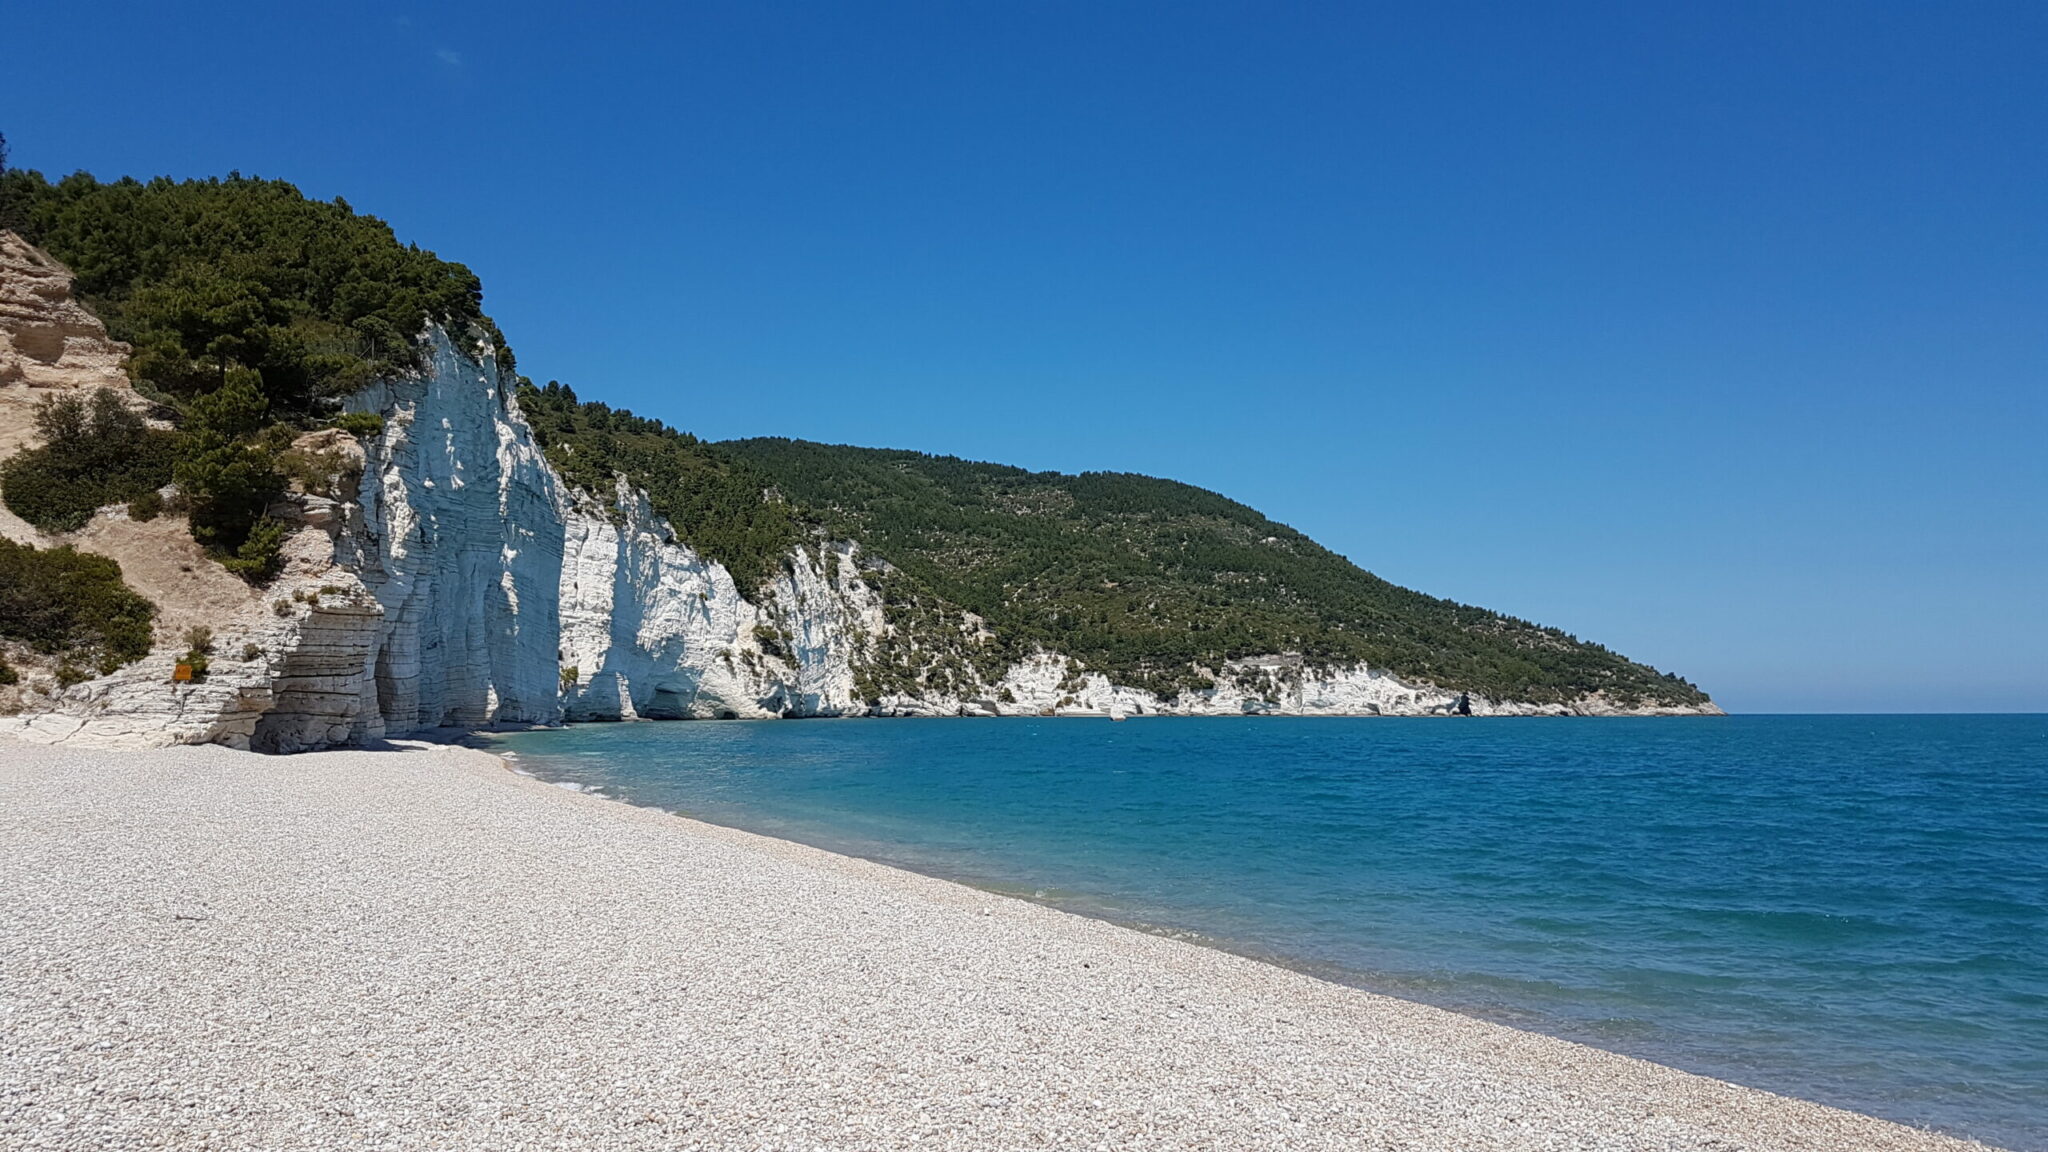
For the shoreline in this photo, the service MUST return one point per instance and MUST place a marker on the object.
(69, 722)
(337, 907)
(1867, 1094)
(477, 739)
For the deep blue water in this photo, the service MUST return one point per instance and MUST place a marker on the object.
(1852, 909)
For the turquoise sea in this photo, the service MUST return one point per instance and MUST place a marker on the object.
(1853, 909)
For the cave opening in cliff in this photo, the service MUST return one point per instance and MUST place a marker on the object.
(386, 688)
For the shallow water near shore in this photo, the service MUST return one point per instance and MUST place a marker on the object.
(1851, 909)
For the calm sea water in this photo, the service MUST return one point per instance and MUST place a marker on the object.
(1849, 909)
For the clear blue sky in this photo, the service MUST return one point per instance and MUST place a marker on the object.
(1715, 332)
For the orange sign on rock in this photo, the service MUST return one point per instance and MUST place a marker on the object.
(182, 672)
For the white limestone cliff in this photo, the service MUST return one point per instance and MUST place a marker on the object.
(1051, 685)
(652, 630)
(454, 586)
(456, 535)
(427, 599)
(451, 579)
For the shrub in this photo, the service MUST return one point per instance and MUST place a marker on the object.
(228, 476)
(7, 673)
(251, 652)
(146, 507)
(71, 604)
(198, 646)
(360, 423)
(261, 555)
(331, 474)
(95, 451)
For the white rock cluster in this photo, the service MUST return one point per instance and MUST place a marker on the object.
(456, 535)
(1050, 685)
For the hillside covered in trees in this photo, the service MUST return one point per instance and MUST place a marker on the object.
(254, 311)
(1149, 579)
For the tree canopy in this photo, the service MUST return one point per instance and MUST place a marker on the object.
(253, 312)
(1151, 580)
(203, 276)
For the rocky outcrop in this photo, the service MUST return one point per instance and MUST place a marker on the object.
(649, 628)
(47, 338)
(1051, 685)
(264, 687)
(456, 583)
(652, 630)
(50, 343)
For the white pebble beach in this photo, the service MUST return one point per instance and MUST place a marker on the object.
(419, 948)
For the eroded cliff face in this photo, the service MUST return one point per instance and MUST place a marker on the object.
(457, 583)
(454, 581)
(652, 630)
(48, 340)
(456, 534)
(425, 596)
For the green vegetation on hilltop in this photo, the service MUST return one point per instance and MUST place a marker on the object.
(74, 606)
(716, 504)
(203, 276)
(252, 310)
(1146, 579)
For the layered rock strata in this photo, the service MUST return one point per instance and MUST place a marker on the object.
(47, 338)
